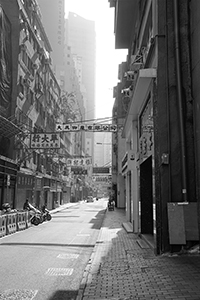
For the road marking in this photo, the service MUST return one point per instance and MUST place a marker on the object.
(68, 255)
(18, 294)
(83, 234)
(59, 272)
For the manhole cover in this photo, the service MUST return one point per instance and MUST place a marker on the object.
(18, 295)
(59, 272)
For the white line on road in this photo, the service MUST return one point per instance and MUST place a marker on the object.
(67, 256)
(59, 272)
(83, 234)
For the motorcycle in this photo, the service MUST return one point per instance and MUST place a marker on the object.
(46, 214)
(35, 216)
(111, 205)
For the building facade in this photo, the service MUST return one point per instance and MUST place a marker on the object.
(32, 164)
(159, 165)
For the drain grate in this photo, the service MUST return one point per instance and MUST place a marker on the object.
(18, 294)
(68, 256)
(59, 272)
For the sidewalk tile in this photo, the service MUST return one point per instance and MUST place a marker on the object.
(123, 270)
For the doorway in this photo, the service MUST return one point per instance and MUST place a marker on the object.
(146, 197)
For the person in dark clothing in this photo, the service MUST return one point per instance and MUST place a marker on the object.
(26, 205)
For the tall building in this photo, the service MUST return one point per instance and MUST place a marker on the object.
(81, 38)
(53, 20)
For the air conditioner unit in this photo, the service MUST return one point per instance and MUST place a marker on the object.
(127, 92)
(130, 75)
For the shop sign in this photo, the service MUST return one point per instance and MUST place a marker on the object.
(24, 181)
(45, 141)
(146, 139)
(78, 162)
(102, 178)
(86, 127)
(101, 170)
(78, 171)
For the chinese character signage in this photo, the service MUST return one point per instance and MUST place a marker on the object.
(45, 141)
(79, 162)
(101, 170)
(101, 178)
(86, 127)
(78, 171)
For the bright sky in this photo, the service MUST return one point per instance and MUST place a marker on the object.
(107, 58)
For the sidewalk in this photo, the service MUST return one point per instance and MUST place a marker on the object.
(124, 267)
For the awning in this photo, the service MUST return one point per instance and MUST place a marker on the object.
(7, 128)
(141, 89)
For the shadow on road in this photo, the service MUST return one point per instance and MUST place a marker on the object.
(64, 295)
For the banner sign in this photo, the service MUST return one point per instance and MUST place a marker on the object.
(101, 170)
(45, 141)
(79, 162)
(78, 171)
(86, 127)
(102, 178)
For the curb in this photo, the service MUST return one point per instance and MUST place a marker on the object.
(86, 271)
(62, 207)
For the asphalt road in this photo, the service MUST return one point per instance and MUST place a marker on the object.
(47, 261)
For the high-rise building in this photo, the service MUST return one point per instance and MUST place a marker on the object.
(81, 38)
(53, 20)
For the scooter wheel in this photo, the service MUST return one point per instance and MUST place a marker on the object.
(35, 221)
(49, 217)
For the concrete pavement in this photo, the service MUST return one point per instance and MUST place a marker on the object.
(124, 267)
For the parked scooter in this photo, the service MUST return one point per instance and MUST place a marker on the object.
(111, 204)
(46, 214)
(35, 215)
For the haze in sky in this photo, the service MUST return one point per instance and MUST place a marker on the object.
(107, 58)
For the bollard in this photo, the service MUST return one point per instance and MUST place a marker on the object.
(11, 224)
(3, 225)
(21, 220)
(28, 219)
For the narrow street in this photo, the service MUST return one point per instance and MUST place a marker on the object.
(46, 262)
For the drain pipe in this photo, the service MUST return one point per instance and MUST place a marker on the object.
(180, 105)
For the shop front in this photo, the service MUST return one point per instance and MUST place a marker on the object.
(25, 184)
(140, 178)
(8, 178)
(38, 195)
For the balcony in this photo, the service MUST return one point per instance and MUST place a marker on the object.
(126, 12)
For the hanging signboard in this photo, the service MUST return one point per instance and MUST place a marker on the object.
(86, 127)
(79, 162)
(78, 171)
(45, 141)
(102, 178)
(101, 170)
